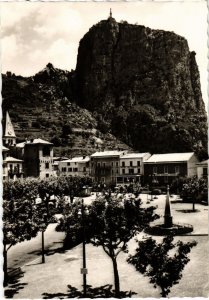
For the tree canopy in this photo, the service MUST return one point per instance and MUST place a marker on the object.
(162, 262)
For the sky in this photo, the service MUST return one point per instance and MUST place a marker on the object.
(35, 33)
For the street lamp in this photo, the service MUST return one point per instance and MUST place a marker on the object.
(38, 201)
(82, 213)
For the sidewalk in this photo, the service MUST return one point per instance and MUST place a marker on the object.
(62, 269)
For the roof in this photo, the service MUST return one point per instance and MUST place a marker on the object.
(33, 142)
(12, 159)
(40, 141)
(170, 157)
(108, 153)
(20, 145)
(5, 148)
(134, 155)
(204, 162)
(79, 159)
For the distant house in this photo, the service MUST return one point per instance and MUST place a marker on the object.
(132, 167)
(164, 168)
(202, 169)
(12, 168)
(105, 166)
(77, 166)
(38, 159)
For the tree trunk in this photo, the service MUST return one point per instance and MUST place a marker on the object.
(5, 266)
(116, 278)
(164, 294)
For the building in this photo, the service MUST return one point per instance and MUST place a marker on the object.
(77, 166)
(105, 166)
(12, 168)
(162, 169)
(132, 167)
(9, 137)
(202, 169)
(38, 159)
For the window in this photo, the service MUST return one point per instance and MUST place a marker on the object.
(123, 163)
(104, 165)
(131, 164)
(63, 169)
(131, 171)
(84, 169)
(47, 175)
(154, 169)
(138, 163)
(68, 163)
(166, 179)
(139, 170)
(112, 164)
(103, 179)
(119, 179)
(205, 172)
(123, 171)
(116, 164)
(166, 169)
(75, 169)
(98, 164)
(117, 171)
(46, 165)
(69, 169)
(176, 169)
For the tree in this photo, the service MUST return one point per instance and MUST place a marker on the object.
(20, 222)
(113, 223)
(162, 262)
(192, 188)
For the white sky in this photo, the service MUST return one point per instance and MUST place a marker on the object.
(35, 33)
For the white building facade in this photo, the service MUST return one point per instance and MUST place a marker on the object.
(77, 166)
(132, 167)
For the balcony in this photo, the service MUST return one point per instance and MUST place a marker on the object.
(15, 171)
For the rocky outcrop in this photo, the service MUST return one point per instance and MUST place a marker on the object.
(135, 86)
(145, 84)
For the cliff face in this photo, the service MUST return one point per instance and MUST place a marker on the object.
(42, 106)
(145, 85)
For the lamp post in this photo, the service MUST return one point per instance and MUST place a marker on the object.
(38, 201)
(82, 213)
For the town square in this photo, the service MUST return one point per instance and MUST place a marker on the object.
(104, 150)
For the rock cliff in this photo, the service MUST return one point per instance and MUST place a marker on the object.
(144, 84)
(132, 86)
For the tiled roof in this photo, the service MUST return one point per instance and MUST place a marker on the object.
(12, 159)
(40, 141)
(170, 157)
(79, 159)
(34, 141)
(108, 153)
(134, 155)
